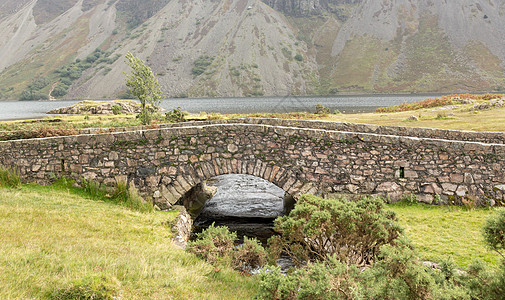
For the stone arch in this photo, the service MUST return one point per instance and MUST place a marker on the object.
(193, 174)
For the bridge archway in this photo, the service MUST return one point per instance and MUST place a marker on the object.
(171, 191)
(245, 204)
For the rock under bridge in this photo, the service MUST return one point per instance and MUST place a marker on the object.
(299, 156)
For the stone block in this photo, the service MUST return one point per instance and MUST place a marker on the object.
(113, 155)
(352, 188)
(388, 187)
(425, 198)
(456, 178)
(468, 178)
(232, 148)
(462, 191)
(449, 188)
(411, 174)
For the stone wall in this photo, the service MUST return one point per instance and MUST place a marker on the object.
(298, 156)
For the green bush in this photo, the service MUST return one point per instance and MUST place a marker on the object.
(60, 89)
(213, 244)
(201, 64)
(396, 275)
(322, 110)
(116, 109)
(216, 244)
(298, 57)
(175, 116)
(494, 231)
(249, 254)
(317, 229)
(485, 284)
(9, 177)
(274, 285)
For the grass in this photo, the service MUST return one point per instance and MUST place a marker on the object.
(54, 239)
(9, 177)
(57, 241)
(446, 232)
(461, 119)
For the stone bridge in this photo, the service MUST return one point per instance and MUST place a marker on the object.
(299, 156)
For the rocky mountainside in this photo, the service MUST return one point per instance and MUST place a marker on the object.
(75, 48)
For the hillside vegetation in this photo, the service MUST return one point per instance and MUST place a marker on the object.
(74, 49)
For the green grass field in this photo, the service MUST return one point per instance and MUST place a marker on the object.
(447, 232)
(54, 236)
(51, 237)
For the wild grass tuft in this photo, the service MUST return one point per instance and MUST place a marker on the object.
(122, 195)
(9, 177)
(91, 287)
(130, 197)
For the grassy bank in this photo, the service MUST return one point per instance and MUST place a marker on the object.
(447, 232)
(53, 239)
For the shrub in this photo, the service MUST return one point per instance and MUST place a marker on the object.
(274, 285)
(396, 275)
(248, 255)
(61, 89)
(298, 57)
(213, 244)
(322, 110)
(328, 280)
(175, 116)
(201, 64)
(484, 284)
(9, 177)
(494, 231)
(317, 229)
(116, 109)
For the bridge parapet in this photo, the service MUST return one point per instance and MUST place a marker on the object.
(164, 163)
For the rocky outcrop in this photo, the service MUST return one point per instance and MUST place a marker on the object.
(182, 227)
(493, 103)
(99, 108)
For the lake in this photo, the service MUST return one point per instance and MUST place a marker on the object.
(346, 104)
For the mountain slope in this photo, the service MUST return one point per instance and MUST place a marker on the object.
(249, 47)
